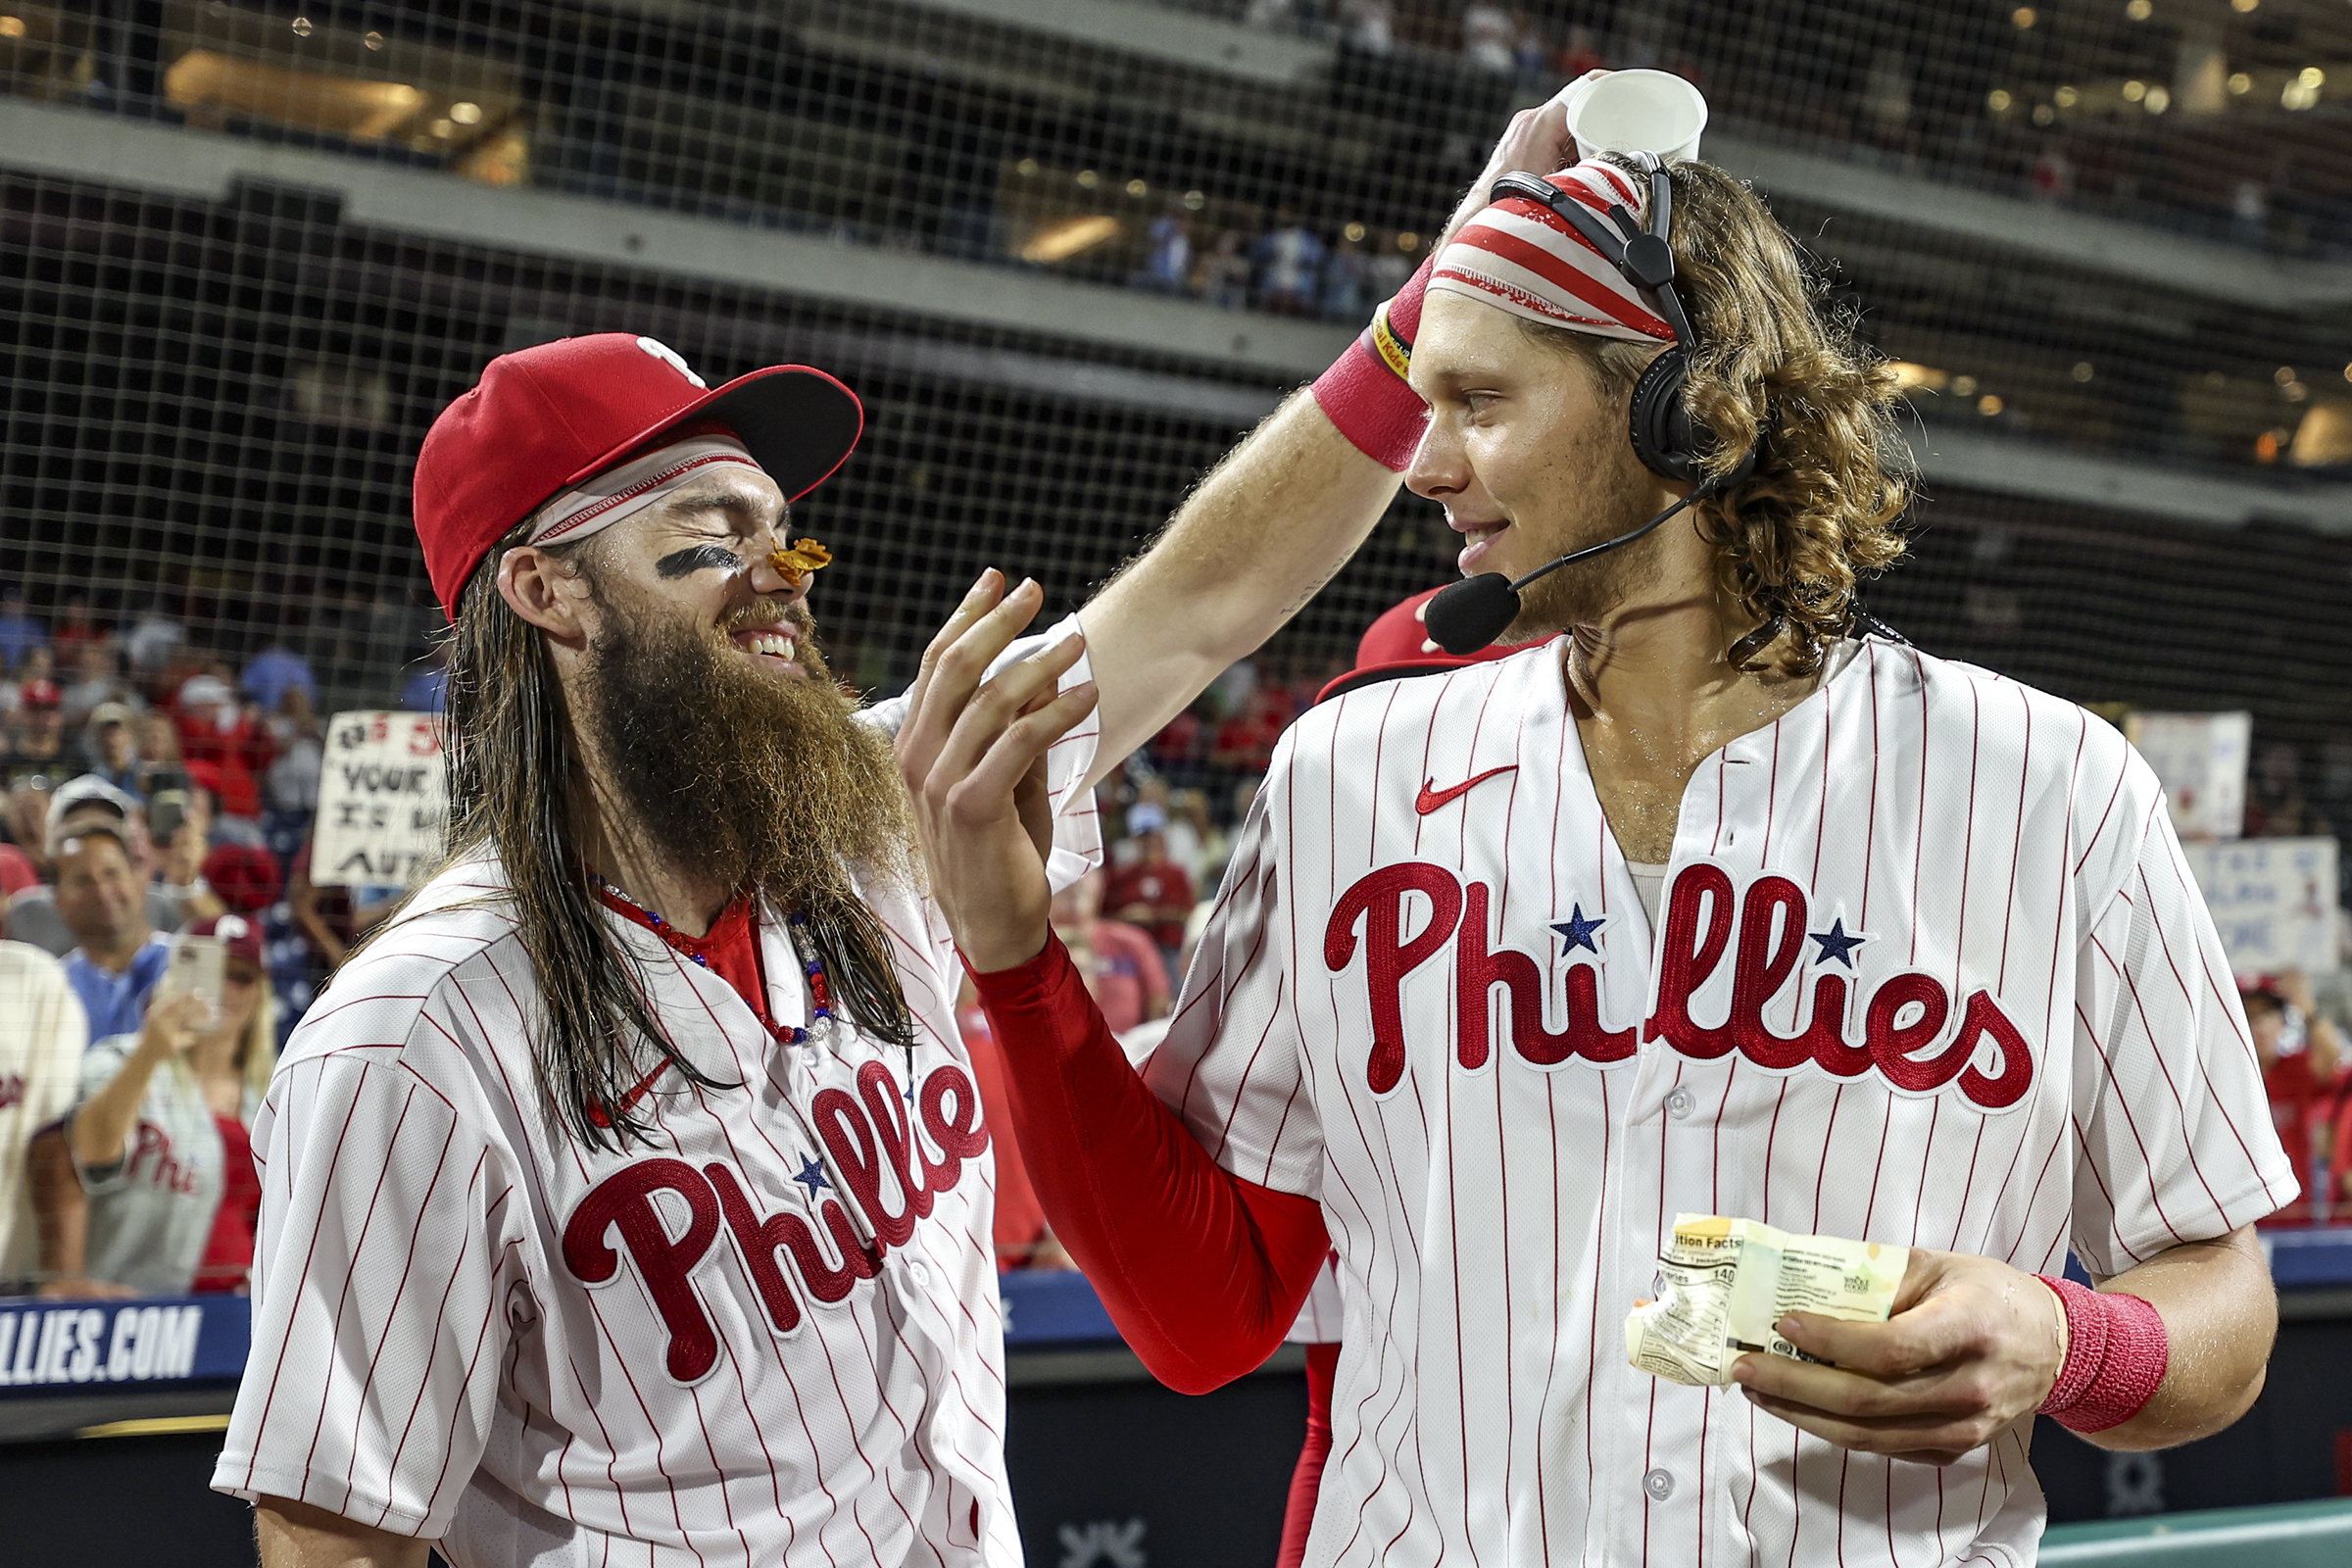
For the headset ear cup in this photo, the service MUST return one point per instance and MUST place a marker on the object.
(1663, 436)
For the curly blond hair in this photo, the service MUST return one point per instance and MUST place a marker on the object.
(1773, 366)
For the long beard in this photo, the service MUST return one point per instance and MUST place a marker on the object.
(736, 778)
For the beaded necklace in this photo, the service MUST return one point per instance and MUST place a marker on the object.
(820, 996)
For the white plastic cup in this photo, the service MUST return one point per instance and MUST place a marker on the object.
(1634, 111)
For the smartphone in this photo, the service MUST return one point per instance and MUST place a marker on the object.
(197, 967)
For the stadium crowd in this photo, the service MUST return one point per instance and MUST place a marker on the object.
(153, 787)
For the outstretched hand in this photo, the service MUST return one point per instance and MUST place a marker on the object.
(972, 750)
(1973, 1345)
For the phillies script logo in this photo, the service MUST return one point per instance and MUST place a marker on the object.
(875, 1153)
(1907, 1021)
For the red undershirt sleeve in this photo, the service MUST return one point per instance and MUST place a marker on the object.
(1201, 1272)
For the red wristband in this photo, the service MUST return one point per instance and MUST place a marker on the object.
(2116, 1354)
(1364, 392)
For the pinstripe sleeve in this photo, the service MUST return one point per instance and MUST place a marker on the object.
(2173, 1125)
(389, 1225)
(1230, 1062)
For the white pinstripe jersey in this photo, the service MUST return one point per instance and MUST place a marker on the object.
(772, 1336)
(1442, 1013)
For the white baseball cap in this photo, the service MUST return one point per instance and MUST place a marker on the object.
(87, 790)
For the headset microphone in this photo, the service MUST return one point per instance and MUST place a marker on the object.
(1465, 617)
(1471, 614)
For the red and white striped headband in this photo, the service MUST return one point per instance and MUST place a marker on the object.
(624, 490)
(1524, 258)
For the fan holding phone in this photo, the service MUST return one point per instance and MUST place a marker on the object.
(166, 1197)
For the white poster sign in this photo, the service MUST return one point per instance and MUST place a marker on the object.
(2201, 760)
(382, 798)
(2272, 899)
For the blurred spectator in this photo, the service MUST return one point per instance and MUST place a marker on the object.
(75, 631)
(331, 918)
(28, 817)
(110, 751)
(224, 746)
(118, 956)
(2302, 1065)
(1152, 893)
(1371, 26)
(153, 641)
(36, 664)
(1489, 38)
(1194, 839)
(18, 631)
(1289, 267)
(291, 789)
(1168, 253)
(37, 739)
(158, 748)
(18, 871)
(1245, 740)
(97, 682)
(274, 672)
(160, 1138)
(1580, 54)
(1390, 270)
(2275, 804)
(179, 861)
(1225, 274)
(41, 1067)
(34, 914)
(241, 877)
(1122, 967)
(1346, 281)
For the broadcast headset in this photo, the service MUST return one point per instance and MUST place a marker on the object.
(1471, 614)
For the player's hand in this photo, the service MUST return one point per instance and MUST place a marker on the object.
(972, 752)
(1972, 1346)
(1537, 141)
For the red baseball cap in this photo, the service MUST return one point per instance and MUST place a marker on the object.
(542, 420)
(41, 693)
(240, 936)
(1397, 645)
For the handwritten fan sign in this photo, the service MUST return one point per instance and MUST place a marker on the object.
(2201, 760)
(2272, 900)
(382, 800)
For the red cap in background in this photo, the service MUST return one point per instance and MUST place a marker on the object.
(1397, 644)
(241, 936)
(544, 419)
(43, 693)
(244, 875)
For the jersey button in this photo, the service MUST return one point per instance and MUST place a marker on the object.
(917, 1272)
(1659, 1483)
(1678, 1105)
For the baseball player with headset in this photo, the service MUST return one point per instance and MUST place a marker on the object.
(627, 1198)
(1728, 903)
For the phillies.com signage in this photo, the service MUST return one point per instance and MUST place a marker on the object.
(49, 1347)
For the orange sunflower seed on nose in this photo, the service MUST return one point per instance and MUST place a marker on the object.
(805, 556)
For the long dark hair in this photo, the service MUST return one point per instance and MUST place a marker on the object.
(513, 783)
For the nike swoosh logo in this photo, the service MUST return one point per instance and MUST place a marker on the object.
(1429, 800)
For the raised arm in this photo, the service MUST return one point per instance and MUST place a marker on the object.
(1281, 513)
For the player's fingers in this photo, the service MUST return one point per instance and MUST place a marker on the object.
(1927, 1440)
(992, 786)
(998, 704)
(978, 600)
(1898, 1348)
(1844, 1392)
(956, 674)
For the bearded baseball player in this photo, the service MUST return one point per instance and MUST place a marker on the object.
(627, 1199)
(1726, 902)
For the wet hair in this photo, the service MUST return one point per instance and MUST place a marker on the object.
(1774, 364)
